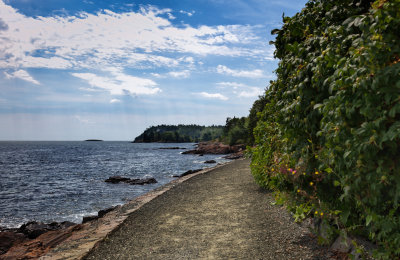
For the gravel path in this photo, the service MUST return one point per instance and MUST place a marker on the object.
(221, 214)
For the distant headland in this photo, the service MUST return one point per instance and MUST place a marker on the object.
(180, 134)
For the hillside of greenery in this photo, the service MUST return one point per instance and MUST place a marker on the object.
(327, 141)
(179, 134)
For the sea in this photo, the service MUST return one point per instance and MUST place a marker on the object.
(64, 181)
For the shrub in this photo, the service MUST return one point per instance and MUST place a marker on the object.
(328, 141)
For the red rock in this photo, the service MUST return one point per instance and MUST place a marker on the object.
(8, 239)
(215, 148)
(34, 248)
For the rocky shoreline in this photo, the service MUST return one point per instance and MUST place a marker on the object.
(216, 148)
(35, 239)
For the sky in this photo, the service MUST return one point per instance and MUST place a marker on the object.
(109, 69)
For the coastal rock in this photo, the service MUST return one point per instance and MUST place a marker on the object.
(34, 248)
(215, 148)
(89, 218)
(234, 156)
(187, 173)
(34, 229)
(8, 239)
(141, 181)
(23, 242)
(171, 148)
(118, 179)
(210, 161)
(100, 214)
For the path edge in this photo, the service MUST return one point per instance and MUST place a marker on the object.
(90, 234)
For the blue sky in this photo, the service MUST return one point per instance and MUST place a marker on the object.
(79, 69)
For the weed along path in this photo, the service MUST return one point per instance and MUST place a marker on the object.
(221, 214)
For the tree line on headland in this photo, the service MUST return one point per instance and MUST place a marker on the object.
(237, 130)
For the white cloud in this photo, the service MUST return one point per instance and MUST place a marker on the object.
(242, 90)
(108, 38)
(233, 85)
(187, 13)
(22, 74)
(179, 74)
(251, 92)
(120, 83)
(240, 73)
(173, 74)
(210, 95)
(114, 100)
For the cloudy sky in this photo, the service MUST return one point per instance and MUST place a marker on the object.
(108, 69)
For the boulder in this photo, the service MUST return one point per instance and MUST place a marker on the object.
(210, 161)
(89, 218)
(34, 229)
(171, 148)
(102, 212)
(117, 179)
(141, 181)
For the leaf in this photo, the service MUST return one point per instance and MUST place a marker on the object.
(344, 216)
(336, 183)
(368, 220)
(275, 31)
(316, 106)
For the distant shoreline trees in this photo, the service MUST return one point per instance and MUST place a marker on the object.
(180, 134)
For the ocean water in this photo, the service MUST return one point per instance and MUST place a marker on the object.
(64, 181)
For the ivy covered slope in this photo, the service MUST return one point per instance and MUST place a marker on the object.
(328, 140)
(179, 134)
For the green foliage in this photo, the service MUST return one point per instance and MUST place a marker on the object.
(179, 134)
(235, 131)
(253, 117)
(329, 135)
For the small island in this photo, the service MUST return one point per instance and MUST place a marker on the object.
(93, 140)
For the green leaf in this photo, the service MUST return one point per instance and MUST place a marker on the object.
(316, 106)
(368, 220)
(344, 216)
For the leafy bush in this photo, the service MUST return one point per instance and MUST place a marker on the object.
(328, 140)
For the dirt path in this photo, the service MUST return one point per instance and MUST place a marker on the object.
(221, 214)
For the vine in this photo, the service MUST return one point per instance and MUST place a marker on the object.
(328, 141)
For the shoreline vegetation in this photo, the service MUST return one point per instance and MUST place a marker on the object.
(179, 134)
